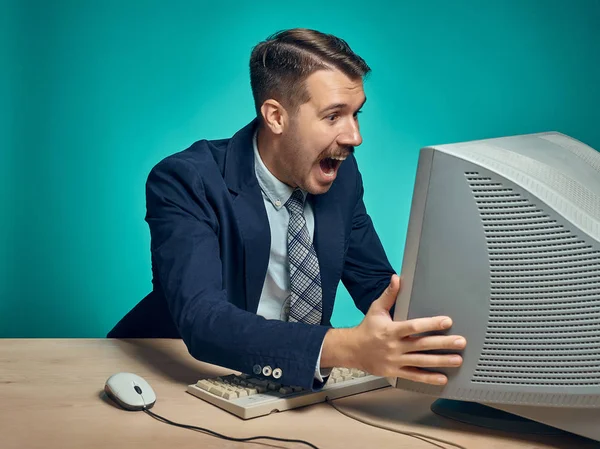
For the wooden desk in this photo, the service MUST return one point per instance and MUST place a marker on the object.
(51, 396)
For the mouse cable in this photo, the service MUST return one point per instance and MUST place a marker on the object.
(225, 437)
(419, 436)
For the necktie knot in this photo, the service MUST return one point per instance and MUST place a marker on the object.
(295, 205)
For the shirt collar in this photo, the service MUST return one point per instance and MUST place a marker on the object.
(276, 191)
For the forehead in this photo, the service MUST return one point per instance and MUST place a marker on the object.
(327, 87)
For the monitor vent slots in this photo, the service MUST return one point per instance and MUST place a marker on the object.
(545, 286)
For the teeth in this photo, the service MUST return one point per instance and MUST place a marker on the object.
(339, 158)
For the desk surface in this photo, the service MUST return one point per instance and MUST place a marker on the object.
(51, 395)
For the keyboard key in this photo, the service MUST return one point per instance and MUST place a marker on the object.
(248, 397)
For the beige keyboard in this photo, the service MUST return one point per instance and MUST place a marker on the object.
(249, 397)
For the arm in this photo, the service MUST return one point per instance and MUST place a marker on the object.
(367, 271)
(186, 255)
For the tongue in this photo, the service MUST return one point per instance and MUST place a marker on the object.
(327, 166)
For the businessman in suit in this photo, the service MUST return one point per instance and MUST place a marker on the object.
(250, 236)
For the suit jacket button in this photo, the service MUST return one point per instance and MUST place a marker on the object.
(267, 370)
(256, 369)
(277, 373)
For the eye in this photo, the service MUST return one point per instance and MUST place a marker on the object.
(332, 117)
(356, 113)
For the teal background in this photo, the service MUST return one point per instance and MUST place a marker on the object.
(95, 93)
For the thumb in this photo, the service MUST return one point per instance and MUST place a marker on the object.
(388, 297)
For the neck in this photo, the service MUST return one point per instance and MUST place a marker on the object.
(270, 149)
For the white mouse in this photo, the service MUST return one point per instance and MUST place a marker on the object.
(130, 391)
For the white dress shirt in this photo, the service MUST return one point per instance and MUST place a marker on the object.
(276, 295)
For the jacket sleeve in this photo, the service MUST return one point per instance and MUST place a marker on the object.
(367, 271)
(186, 256)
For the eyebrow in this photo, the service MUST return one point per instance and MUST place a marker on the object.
(340, 106)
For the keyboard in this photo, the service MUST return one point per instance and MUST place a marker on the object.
(249, 397)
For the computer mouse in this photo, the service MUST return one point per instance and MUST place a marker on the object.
(130, 391)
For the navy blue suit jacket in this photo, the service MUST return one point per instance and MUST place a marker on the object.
(210, 244)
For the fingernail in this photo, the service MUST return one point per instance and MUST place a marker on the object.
(459, 342)
(446, 322)
(455, 360)
(441, 380)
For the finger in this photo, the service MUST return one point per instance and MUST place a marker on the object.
(420, 325)
(433, 342)
(388, 297)
(431, 360)
(419, 375)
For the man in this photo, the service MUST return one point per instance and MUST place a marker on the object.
(251, 235)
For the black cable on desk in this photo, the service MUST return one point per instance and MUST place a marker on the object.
(419, 436)
(218, 435)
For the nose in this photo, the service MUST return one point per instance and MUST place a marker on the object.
(350, 135)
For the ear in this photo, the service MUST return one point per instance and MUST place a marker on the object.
(275, 116)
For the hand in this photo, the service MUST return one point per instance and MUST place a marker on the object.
(388, 348)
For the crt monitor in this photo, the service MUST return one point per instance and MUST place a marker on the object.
(504, 237)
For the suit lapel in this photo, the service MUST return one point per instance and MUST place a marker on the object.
(253, 223)
(249, 211)
(329, 246)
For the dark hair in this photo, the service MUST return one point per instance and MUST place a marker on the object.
(280, 65)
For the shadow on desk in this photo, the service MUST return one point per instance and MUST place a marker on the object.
(409, 412)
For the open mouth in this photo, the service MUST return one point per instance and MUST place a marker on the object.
(329, 165)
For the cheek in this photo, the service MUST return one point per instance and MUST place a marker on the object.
(321, 143)
(306, 153)
(311, 143)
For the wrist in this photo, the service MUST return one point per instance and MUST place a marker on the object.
(339, 349)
